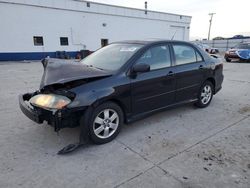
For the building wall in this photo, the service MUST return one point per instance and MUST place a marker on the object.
(84, 26)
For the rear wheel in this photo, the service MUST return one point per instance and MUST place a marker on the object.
(205, 95)
(105, 123)
(242, 60)
(227, 59)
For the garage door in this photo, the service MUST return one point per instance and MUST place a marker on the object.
(177, 32)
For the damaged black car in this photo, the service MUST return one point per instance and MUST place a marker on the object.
(120, 83)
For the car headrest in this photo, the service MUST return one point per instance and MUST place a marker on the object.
(187, 53)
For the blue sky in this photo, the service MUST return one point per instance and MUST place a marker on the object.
(232, 17)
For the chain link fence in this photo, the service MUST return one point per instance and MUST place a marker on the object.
(224, 45)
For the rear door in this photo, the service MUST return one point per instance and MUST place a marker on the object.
(156, 88)
(190, 70)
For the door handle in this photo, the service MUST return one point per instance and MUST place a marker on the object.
(170, 73)
(201, 67)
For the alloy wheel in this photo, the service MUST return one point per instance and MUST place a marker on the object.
(206, 94)
(106, 123)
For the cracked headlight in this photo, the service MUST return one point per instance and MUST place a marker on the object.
(51, 101)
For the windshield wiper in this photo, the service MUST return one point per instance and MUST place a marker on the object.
(95, 67)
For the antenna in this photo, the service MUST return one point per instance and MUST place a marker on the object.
(174, 34)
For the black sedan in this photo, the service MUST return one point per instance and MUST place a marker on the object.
(121, 83)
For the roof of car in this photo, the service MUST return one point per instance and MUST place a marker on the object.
(148, 41)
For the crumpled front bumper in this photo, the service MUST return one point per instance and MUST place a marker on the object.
(232, 56)
(57, 118)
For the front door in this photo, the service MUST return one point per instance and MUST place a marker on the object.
(156, 88)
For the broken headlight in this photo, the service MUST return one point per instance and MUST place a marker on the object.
(50, 101)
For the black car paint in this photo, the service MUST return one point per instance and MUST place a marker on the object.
(57, 71)
(137, 95)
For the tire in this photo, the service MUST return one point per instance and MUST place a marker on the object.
(205, 95)
(228, 60)
(105, 123)
(242, 60)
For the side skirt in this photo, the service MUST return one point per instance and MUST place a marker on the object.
(146, 114)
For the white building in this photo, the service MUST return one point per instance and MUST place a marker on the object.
(33, 29)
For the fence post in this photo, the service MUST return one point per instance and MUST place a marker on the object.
(227, 45)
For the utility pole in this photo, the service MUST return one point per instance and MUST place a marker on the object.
(210, 24)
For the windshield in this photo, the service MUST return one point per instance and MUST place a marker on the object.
(243, 46)
(111, 57)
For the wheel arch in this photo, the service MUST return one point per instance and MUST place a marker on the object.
(117, 102)
(212, 80)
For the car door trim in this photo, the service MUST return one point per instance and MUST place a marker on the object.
(146, 98)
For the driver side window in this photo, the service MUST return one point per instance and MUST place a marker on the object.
(157, 57)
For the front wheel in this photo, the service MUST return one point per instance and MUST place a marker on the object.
(205, 95)
(242, 60)
(105, 123)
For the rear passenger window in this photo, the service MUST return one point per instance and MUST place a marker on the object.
(185, 54)
(198, 57)
(157, 57)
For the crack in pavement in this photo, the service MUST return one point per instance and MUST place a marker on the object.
(141, 173)
(157, 165)
(208, 137)
(133, 177)
(241, 81)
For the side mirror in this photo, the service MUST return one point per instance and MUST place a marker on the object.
(141, 67)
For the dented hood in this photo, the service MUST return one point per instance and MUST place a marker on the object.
(57, 71)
